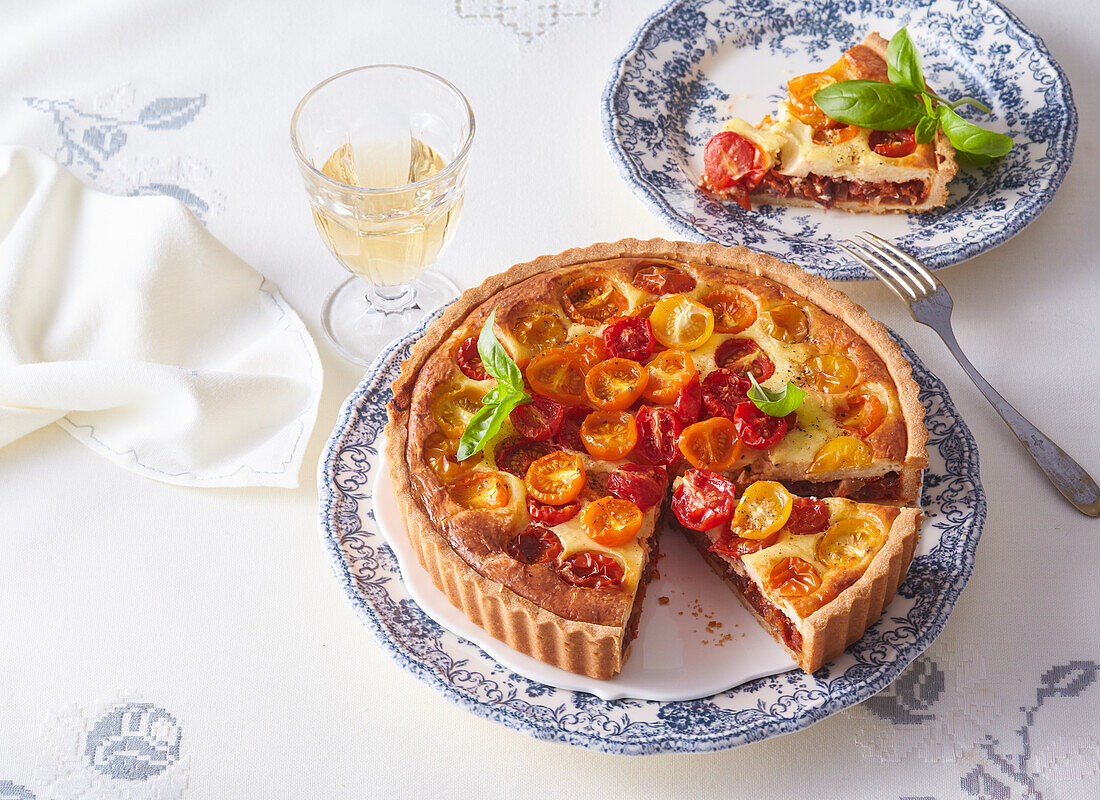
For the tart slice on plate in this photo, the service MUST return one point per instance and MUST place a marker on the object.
(539, 425)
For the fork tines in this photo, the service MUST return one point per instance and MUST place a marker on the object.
(906, 276)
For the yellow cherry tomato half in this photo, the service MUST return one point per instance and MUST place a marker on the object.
(609, 435)
(843, 452)
(669, 372)
(538, 328)
(711, 444)
(680, 322)
(453, 409)
(616, 383)
(785, 322)
(556, 479)
(440, 453)
(800, 98)
(831, 373)
(764, 508)
(849, 542)
(482, 489)
(610, 521)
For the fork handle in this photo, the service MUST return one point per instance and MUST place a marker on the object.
(1067, 475)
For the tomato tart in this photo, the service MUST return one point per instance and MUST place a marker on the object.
(545, 424)
(801, 157)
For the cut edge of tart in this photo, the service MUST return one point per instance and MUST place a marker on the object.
(591, 648)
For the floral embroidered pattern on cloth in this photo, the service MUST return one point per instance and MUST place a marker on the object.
(530, 19)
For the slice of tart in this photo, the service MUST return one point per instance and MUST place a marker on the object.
(801, 157)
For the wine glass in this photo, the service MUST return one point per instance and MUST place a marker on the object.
(383, 151)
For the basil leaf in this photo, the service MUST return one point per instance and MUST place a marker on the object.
(870, 104)
(969, 138)
(903, 63)
(495, 358)
(972, 159)
(970, 101)
(926, 130)
(776, 404)
(484, 425)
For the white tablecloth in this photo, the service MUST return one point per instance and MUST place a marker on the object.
(209, 621)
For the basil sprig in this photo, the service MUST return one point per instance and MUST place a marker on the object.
(501, 400)
(906, 102)
(776, 404)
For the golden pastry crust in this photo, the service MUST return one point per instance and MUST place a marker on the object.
(530, 607)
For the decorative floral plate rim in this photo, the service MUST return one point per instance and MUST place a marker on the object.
(650, 140)
(367, 572)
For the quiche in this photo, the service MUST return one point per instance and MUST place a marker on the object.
(639, 359)
(801, 157)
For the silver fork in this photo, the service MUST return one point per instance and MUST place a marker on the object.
(931, 305)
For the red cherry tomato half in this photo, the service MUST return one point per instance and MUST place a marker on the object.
(516, 454)
(730, 159)
(592, 570)
(536, 544)
(540, 419)
(469, 360)
(704, 500)
(723, 391)
(639, 484)
(689, 405)
(757, 429)
(552, 515)
(658, 431)
(631, 338)
(744, 356)
(892, 144)
(808, 516)
(737, 546)
(569, 434)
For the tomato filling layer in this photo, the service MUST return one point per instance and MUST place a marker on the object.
(828, 191)
(867, 490)
(639, 597)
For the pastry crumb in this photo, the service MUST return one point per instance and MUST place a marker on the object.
(662, 600)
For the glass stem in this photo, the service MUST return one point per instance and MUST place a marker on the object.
(391, 299)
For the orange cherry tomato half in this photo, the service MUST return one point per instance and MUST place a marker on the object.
(793, 577)
(849, 542)
(609, 435)
(831, 373)
(610, 521)
(680, 322)
(558, 375)
(593, 300)
(785, 322)
(482, 489)
(831, 136)
(893, 144)
(669, 372)
(440, 453)
(733, 310)
(616, 383)
(843, 452)
(556, 478)
(800, 98)
(711, 444)
(453, 409)
(589, 350)
(863, 414)
(662, 279)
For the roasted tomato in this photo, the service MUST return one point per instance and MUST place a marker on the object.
(711, 444)
(516, 454)
(538, 327)
(639, 484)
(658, 431)
(570, 434)
(610, 521)
(737, 546)
(704, 500)
(552, 515)
(440, 453)
(615, 384)
(793, 577)
(800, 98)
(630, 337)
(831, 373)
(556, 478)
(785, 322)
(730, 160)
(663, 279)
(453, 409)
(849, 542)
(680, 322)
(593, 300)
(539, 420)
(469, 360)
(744, 356)
(756, 429)
(843, 452)
(831, 136)
(733, 310)
(536, 544)
(592, 570)
(893, 144)
(689, 404)
(589, 350)
(482, 489)
(724, 391)
(808, 516)
(863, 414)
(763, 510)
(609, 435)
(558, 375)
(669, 373)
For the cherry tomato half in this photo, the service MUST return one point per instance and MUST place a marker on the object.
(515, 454)
(642, 485)
(689, 404)
(539, 420)
(663, 279)
(843, 452)
(592, 570)
(763, 510)
(831, 136)
(757, 429)
(793, 577)
(616, 383)
(893, 144)
(808, 515)
(556, 478)
(737, 546)
(481, 489)
(669, 372)
(678, 321)
(593, 300)
(744, 356)
(785, 322)
(441, 454)
(610, 521)
(469, 360)
(558, 375)
(704, 500)
(552, 515)
(733, 310)
(589, 350)
(630, 337)
(863, 414)
(454, 408)
(800, 98)
(723, 391)
(536, 544)
(539, 327)
(730, 159)
(569, 436)
(850, 542)
(609, 435)
(658, 431)
(711, 444)
(830, 372)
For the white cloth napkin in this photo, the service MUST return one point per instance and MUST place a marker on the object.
(124, 321)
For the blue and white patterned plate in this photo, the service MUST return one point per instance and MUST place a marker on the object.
(368, 572)
(695, 63)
